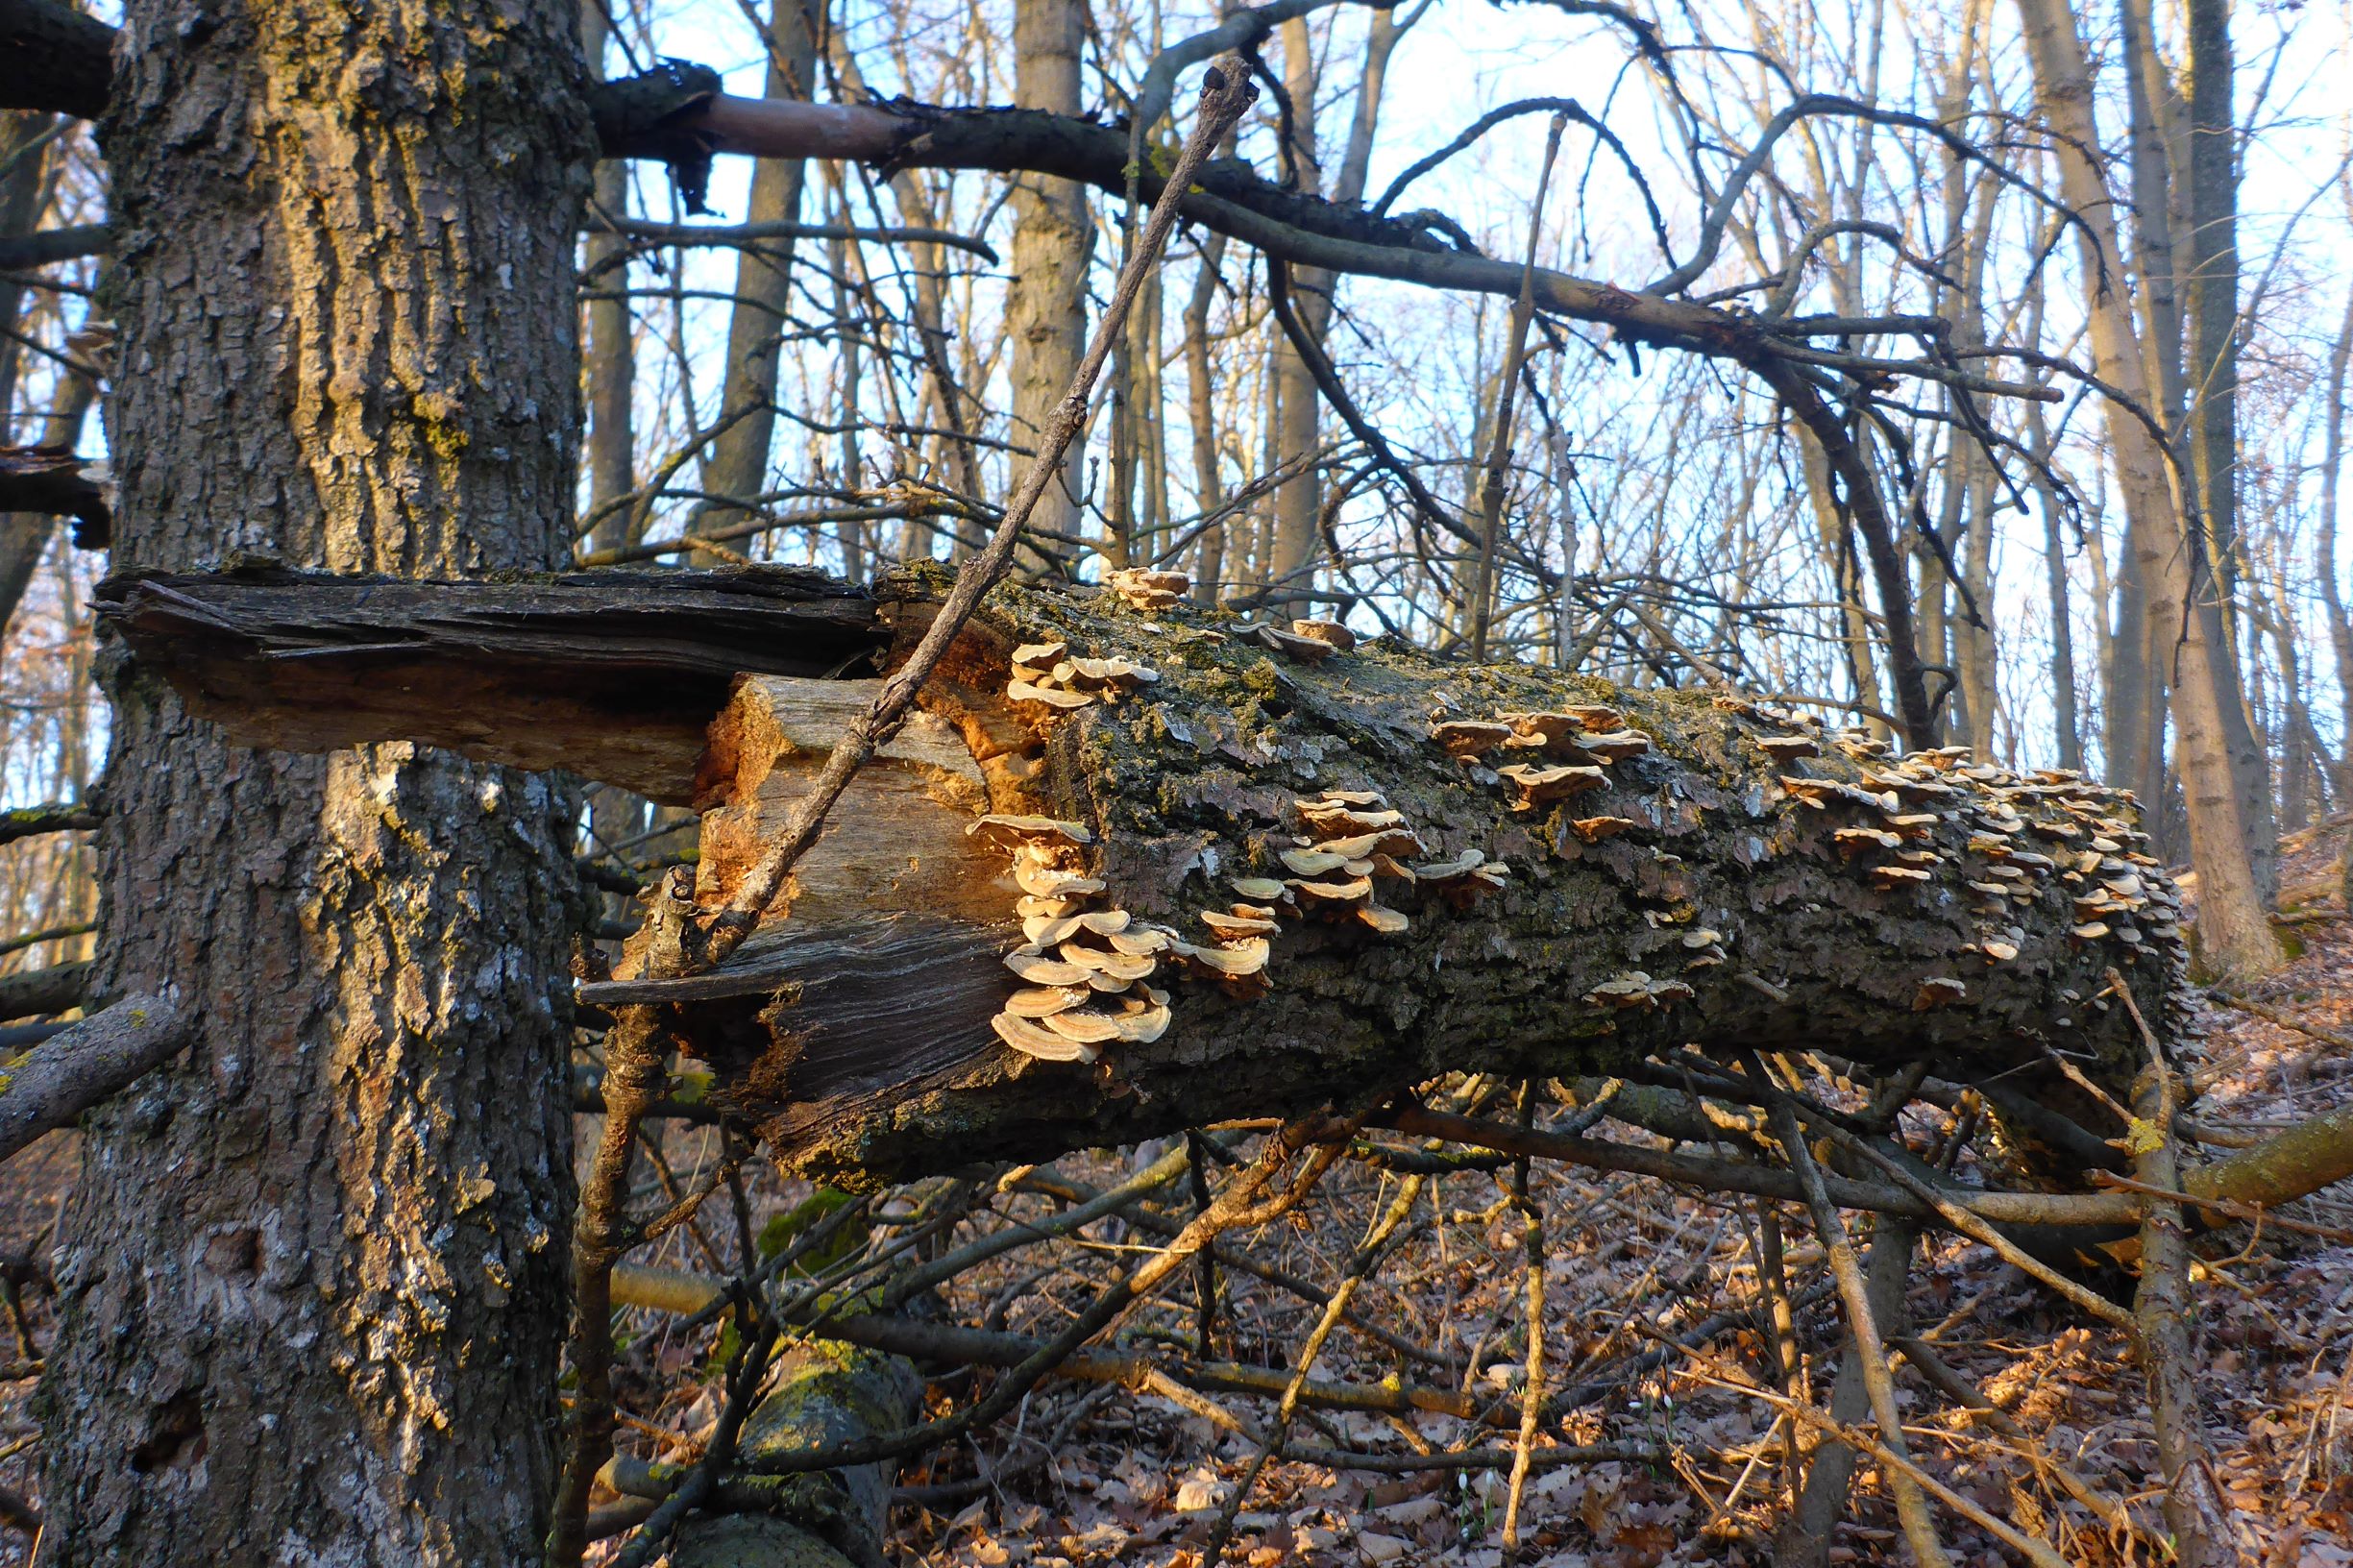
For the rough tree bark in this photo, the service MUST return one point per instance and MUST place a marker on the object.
(312, 1281)
(1686, 895)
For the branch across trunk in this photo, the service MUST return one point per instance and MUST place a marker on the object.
(1325, 874)
(65, 1076)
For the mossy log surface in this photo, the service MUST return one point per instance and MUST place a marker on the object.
(1713, 873)
(824, 1394)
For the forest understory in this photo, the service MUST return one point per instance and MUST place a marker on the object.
(1654, 1317)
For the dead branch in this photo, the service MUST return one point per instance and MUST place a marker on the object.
(87, 1062)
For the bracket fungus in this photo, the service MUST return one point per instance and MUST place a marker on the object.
(1463, 879)
(1046, 673)
(1142, 590)
(1537, 786)
(1465, 739)
(1856, 840)
(1291, 645)
(1635, 989)
(1615, 746)
(1083, 968)
(1938, 991)
(1330, 632)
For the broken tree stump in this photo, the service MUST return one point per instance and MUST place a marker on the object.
(1134, 871)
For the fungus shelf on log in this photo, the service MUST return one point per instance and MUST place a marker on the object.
(1332, 877)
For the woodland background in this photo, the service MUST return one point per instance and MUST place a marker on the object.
(1657, 520)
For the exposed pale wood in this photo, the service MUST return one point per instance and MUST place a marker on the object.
(896, 840)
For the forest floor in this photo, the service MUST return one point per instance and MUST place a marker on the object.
(1084, 1479)
(1095, 1474)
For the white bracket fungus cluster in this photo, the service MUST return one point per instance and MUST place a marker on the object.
(2110, 881)
(1149, 591)
(1353, 836)
(1635, 990)
(1571, 750)
(1085, 969)
(1046, 673)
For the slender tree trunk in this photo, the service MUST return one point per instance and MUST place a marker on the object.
(2325, 552)
(312, 1281)
(1201, 414)
(2295, 720)
(609, 372)
(2233, 927)
(1300, 503)
(2214, 283)
(2135, 715)
(1045, 301)
(943, 391)
(736, 465)
(610, 367)
(2067, 728)
(2214, 389)
(1298, 406)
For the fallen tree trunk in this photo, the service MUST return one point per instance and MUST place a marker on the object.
(611, 674)
(1523, 872)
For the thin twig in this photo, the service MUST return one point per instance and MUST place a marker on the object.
(1911, 1510)
(1532, 1248)
(1287, 1409)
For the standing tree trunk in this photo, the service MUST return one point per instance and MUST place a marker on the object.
(1298, 410)
(737, 465)
(2213, 407)
(1045, 300)
(2234, 928)
(1201, 417)
(2137, 691)
(1299, 504)
(611, 365)
(2324, 561)
(2066, 728)
(312, 1280)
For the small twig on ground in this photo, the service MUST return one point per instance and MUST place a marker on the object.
(1532, 1247)
(1923, 1358)
(1237, 1207)
(1367, 1253)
